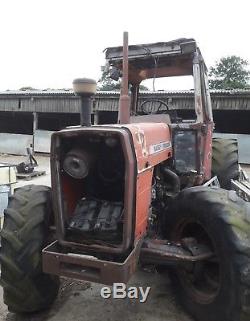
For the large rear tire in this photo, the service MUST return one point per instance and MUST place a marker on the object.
(219, 288)
(225, 163)
(24, 234)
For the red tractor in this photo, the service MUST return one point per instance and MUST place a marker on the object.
(141, 191)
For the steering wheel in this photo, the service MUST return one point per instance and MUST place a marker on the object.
(147, 106)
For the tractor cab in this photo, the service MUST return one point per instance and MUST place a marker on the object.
(179, 57)
(191, 139)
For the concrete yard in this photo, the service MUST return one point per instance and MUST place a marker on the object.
(81, 301)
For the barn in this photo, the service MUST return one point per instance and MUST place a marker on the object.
(31, 116)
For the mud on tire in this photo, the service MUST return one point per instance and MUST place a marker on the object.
(224, 219)
(24, 234)
(225, 164)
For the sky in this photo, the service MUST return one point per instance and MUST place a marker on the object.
(48, 43)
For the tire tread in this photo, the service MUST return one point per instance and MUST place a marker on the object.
(24, 235)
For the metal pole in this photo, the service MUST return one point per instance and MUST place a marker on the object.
(35, 125)
(124, 101)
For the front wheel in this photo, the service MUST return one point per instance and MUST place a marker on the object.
(25, 233)
(219, 288)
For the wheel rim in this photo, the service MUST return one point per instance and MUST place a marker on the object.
(200, 280)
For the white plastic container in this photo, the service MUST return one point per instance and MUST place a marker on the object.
(4, 196)
(7, 174)
(7, 181)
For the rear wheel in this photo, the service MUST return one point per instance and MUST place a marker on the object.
(218, 288)
(25, 232)
(225, 163)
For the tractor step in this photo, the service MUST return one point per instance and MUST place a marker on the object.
(63, 261)
(163, 252)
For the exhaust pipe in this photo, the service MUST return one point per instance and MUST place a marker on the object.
(124, 101)
(86, 89)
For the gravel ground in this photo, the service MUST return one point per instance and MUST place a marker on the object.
(44, 165)
(81, 301)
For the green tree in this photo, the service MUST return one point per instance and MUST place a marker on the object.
(229, 73)
(105, 83)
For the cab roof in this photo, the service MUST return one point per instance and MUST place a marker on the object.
(153, 60)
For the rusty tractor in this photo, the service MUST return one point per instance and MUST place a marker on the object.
(142, 191)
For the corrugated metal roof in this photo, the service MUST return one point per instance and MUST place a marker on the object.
(116, 93)
(64, 101)
(36, 92)
(231, 91)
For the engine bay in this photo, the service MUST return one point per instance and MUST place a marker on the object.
(95, 172)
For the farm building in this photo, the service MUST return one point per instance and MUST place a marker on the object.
(33, 115)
